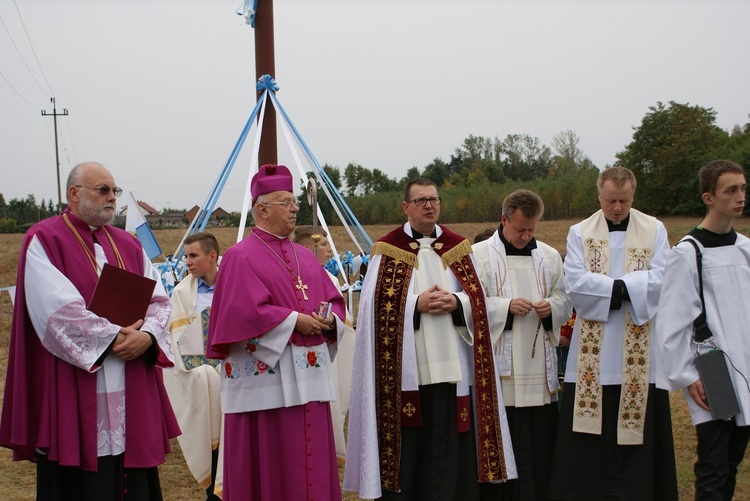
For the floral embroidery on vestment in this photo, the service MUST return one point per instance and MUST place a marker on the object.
(310, 359)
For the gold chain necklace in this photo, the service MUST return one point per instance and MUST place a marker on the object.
(299, 286)
(89, 255)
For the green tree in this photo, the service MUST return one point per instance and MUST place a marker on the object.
(358, 179)
(334, 174)
(380, 182)
(25, 211)
(568, 156)
(667, 150)
(8, 225)
(437, 171)
(412, 173)
(523, 157)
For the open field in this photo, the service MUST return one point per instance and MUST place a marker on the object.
(17, 479)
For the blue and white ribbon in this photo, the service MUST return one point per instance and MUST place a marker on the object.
(266, 82)
(248, 12)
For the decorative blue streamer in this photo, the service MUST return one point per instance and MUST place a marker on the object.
(332, 266)
(266, 82)
(168, 272)
(346, 261)
(248, 12)
(213, 196)
(354, 222)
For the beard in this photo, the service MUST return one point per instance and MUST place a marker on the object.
(95, 214)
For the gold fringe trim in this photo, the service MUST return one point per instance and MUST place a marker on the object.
(456, 253)
(389, 250)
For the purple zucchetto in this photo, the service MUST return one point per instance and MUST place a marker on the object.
(270, 178)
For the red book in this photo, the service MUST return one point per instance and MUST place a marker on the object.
(122, 297)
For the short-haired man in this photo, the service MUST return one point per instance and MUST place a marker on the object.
(277, 345)
(194, 385)
(304, 235)
(427, 418)
(84, 397)
(726, 287)
(614, 440)
(525, 286)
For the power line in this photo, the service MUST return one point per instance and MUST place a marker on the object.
(23, 60)
(32, 48)
(14, 90)
(72, 143)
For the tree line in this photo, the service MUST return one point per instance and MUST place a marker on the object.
(17, 215)
(671, 144)
(668, 148)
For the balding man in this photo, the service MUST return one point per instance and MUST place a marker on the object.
(614, 440)
(84, 397)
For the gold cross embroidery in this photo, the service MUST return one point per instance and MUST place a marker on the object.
(464, 414)
(409, 409)
(301, 287)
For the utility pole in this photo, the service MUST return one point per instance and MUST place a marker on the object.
(265, 64)
(54, 116)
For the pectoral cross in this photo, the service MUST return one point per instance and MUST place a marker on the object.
(301, 287)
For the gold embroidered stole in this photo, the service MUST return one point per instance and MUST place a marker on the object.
(640, 240)
(394, 276)
(490, 450)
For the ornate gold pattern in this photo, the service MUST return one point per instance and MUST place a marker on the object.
(390, 299)
(588, 400)
(635, 384)
(588, 403)
(636, 363)
(489, 435)
(409, 409)
(596, 256)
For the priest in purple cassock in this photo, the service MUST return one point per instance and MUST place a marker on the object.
(277, 349)
(84, 397)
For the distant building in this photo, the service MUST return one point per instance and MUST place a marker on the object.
(145, 209)
(219, 217)
(217, 214)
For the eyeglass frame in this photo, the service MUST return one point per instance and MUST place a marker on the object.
(435, 201)
(286, 203)
(103, 190)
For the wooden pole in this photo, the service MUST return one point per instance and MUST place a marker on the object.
(265, 64)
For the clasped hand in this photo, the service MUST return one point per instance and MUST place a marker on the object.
(522, 307)
(436, 301)
(131, 343)
(313, 324)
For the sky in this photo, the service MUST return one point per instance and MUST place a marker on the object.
(159, 90)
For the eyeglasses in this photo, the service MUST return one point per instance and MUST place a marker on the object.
(103, 190)
(421, 202)
(286, 204)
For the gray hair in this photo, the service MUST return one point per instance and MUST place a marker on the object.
(76, 173)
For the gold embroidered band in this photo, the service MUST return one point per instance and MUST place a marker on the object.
(491, 457)
(390, 299)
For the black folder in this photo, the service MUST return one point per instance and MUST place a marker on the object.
(717, 383)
